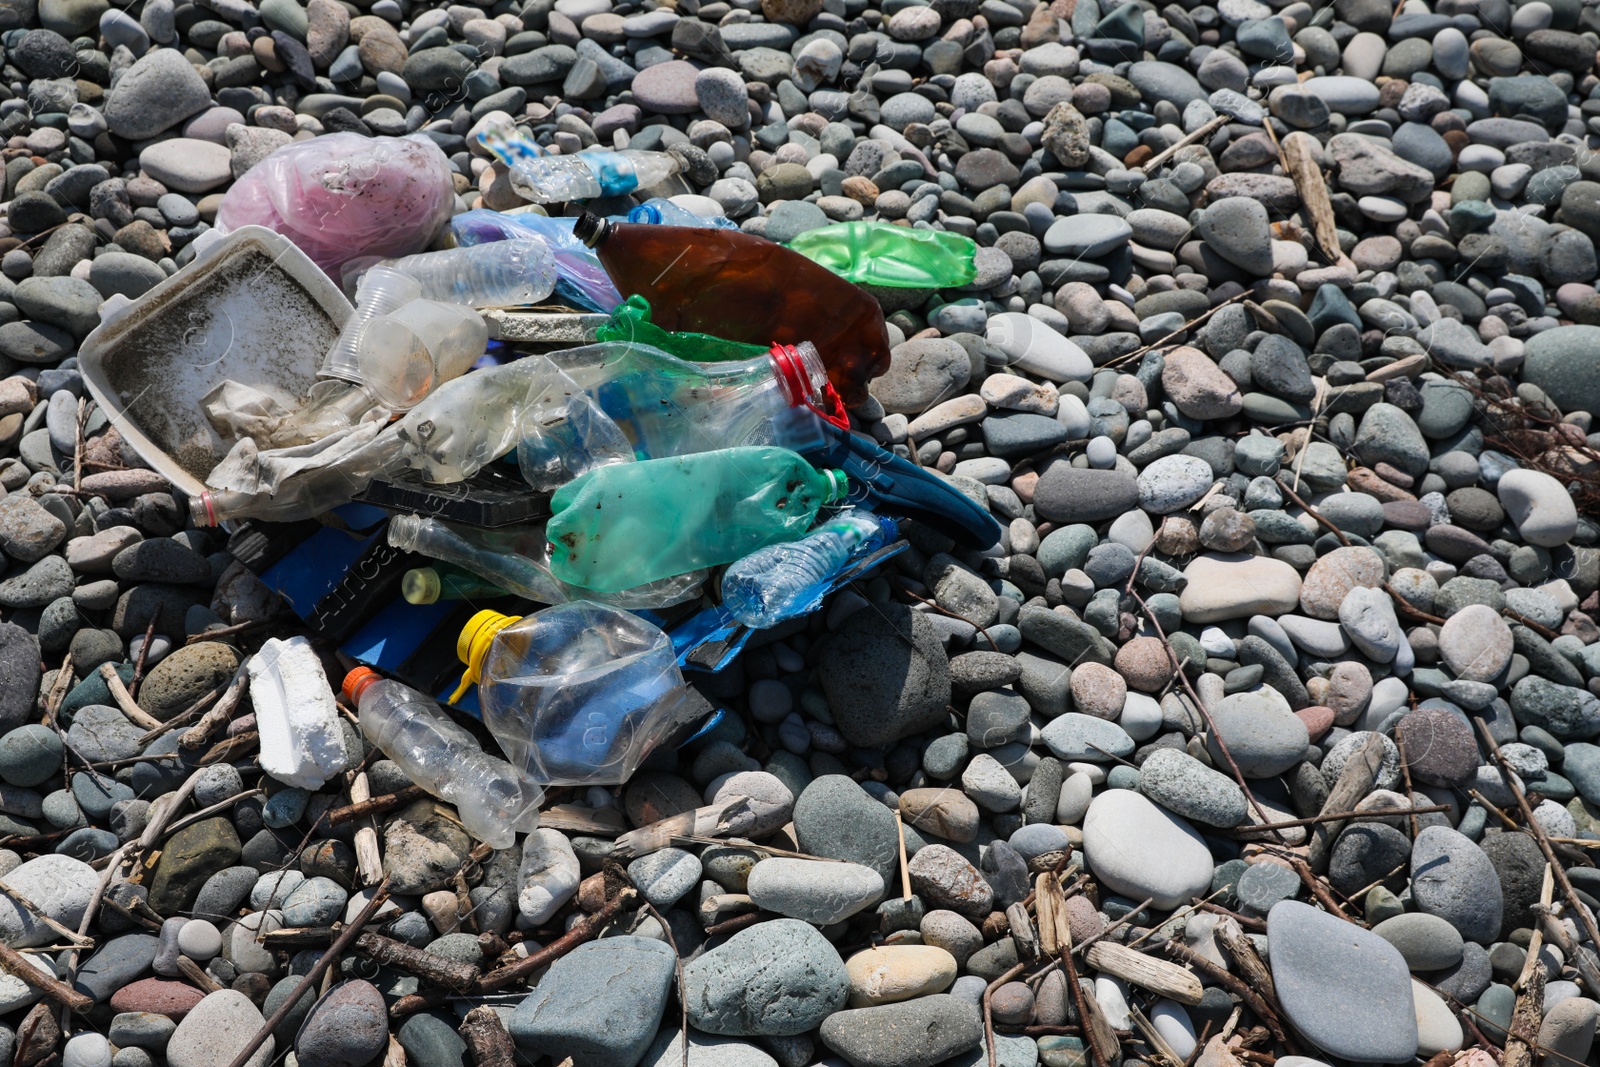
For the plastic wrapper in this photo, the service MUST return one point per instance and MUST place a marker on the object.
(343, 195)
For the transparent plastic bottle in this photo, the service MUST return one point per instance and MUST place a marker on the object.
(781, 581)
(494, 801)
(516, 558)
(622, 525)
(668, 406)
(542, 178)
(575, 694)
(659, 211)
(580, 280)
(429, 585)
(501, 274)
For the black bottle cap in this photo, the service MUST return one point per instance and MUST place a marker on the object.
(591, 229)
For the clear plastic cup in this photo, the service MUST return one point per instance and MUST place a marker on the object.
(404, 355)
(381, 291)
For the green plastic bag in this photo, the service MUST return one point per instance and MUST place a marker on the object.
(881, 253)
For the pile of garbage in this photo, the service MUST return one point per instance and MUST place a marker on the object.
(738, 534)
(699, 449)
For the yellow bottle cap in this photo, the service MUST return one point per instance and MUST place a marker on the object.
(420, 585)
(472, 646)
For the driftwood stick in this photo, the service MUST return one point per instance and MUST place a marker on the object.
(369, 858)
(1149, 166)
(73, 937)
(1354, 782)
(144, 655)
(375, 805)
(988, 1013)
(585, 930)
(219, 715)
(1584, 915)
(124, 700)
(486, 1038)
(1229, 981)
(17, 965)
(1336, 816)
(440, 970)
(184, 717)
(198, 978)
(314, 976)
(1296, 150)
(1323, 894)
(1205, 712)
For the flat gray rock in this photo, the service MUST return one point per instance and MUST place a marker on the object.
(1330, 973)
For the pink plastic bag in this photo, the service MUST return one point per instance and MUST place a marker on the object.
(342, 196)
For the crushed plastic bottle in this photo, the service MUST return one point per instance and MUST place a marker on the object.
(626, 524)
(542, 178)
(781, 581)
(580, 279)
(670, 407)
(630, 322)
(881, 253)
(494, 802)
(575, 694)
(429, 585)
(745, 288)
(516, 558)
(502, 274)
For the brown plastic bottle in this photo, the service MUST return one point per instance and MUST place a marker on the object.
(745, 288)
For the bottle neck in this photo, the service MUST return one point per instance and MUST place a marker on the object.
(592, 230)
(799, 371)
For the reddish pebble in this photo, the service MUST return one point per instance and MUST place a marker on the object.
(159, 996)
(1318, 720)
(1023, 485)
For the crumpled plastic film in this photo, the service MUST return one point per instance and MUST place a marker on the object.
(342, 196)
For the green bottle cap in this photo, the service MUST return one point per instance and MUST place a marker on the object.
(838, 487)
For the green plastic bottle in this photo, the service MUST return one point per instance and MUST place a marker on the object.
(881, 253)
(622, 525)
(631, 322)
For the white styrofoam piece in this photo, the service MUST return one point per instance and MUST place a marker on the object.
(301, 743)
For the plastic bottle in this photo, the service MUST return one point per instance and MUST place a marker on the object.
(626, 524)
(542, 178)
(781, 581)
(516, 558)
(429, 585)
(494, 802)
(580, 280)
(659, 211)
(575, 694)
(745, 288)
(667, 406)
(631, 322)
(881, 253)
(501, 274)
